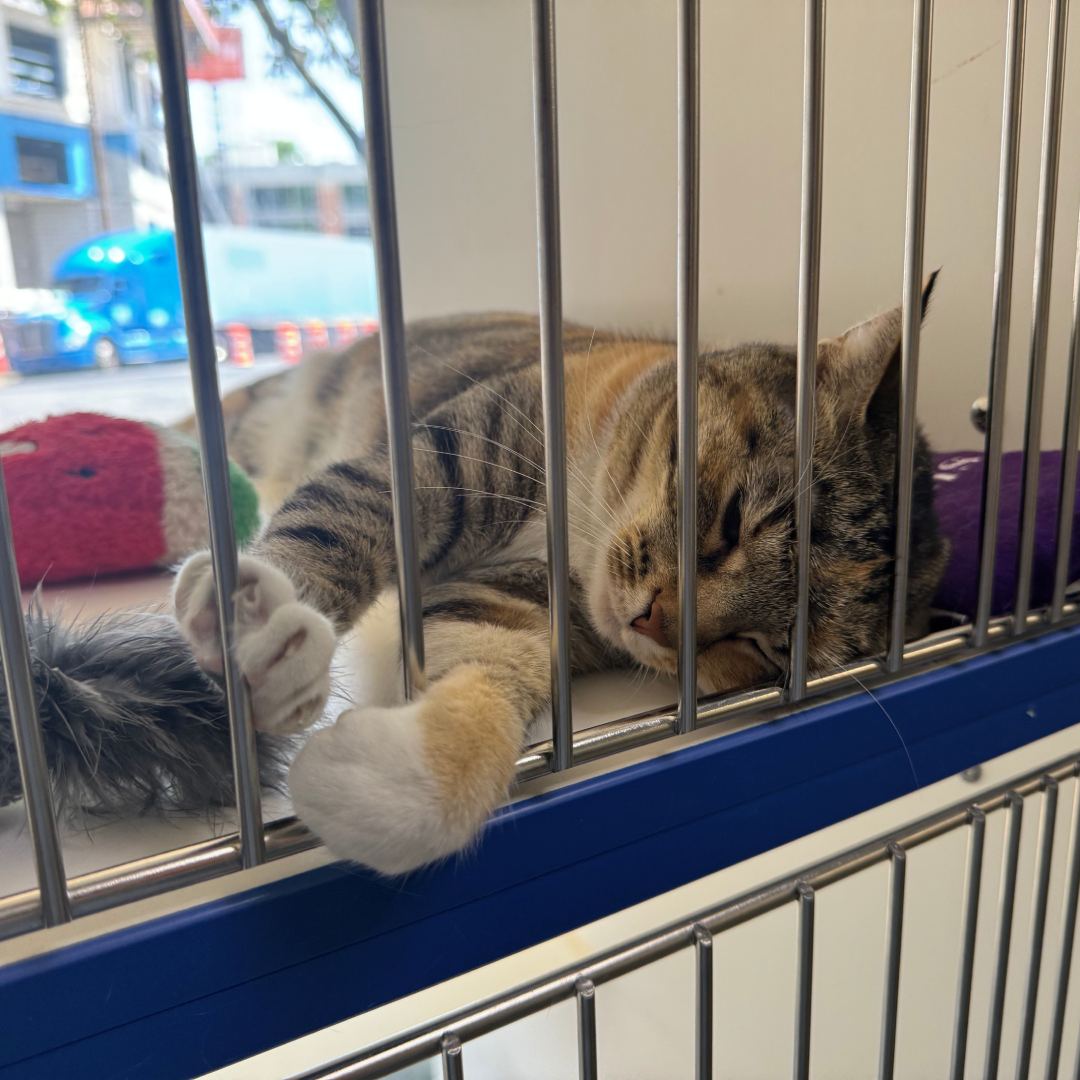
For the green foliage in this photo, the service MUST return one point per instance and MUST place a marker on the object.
(287, 154)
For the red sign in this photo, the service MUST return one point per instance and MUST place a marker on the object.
(218, 61)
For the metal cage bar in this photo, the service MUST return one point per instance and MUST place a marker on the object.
(1006, 903)
(393, 350)
(55, 907)
(1004, 249)
(1068, 938)
(1069, 438)
(895, 932)
(1044, 263)
(806, 348)
(972, 889)
(804, 980)
(688, 234)
(703, 1000)
(453, 1064)
(199, 323)
(914, 240)
(549, 256)
(1044, 859)
(586, 1023)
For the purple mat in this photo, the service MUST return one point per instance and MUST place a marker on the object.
(957, 492)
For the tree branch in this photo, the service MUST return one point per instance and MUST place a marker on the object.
(350, 62)
(298, 61)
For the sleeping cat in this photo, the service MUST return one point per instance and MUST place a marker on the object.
(394, 785)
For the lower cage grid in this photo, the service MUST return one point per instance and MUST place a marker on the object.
(202, 861)
(448, 1037)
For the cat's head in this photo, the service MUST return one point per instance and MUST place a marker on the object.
(746, 507)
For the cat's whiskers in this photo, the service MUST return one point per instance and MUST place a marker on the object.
(536, 434)
(516, 472)
(531, 503)
(614, 537)
(888, 716)
(814, 469)
(787, 486)
(464, 457)
(596, 546)
(484, 438)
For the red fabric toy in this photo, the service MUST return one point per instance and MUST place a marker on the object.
(92, 495)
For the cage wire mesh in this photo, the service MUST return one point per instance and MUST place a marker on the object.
(943, 948)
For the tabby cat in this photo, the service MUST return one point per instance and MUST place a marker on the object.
(394, 785)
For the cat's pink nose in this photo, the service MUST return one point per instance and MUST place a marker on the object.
(652, 624)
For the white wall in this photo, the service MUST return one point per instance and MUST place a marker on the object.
(460, 92)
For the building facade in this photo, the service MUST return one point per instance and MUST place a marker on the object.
(81, 144)
(330, 199)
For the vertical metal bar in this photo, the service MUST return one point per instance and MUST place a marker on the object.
(548, 250)
(897, 878)
(1068, 938)
(804, 981)
(703, 954)
(453, 1065)
(183, 174)
(1006, 904)
(809, 282)
(1045, 849)
(1067, 488)
(1044, 261)
(1012, 96)
(914, 237)
(586, 1016)
(688, 59)
(29, 746)
(972, 889)
(395, 367)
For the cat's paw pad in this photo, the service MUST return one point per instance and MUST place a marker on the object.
(286, 662)
(364, 787)
(283, 647)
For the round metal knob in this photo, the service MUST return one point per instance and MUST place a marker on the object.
(979, 413)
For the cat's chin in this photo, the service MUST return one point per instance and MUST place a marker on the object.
(646, 652)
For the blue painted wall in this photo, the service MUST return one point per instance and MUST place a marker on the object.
(81, 182)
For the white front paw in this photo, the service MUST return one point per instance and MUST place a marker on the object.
(364, 788)
(283, 647)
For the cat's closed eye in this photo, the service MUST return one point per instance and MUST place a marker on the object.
(732, 526)
(730, 529)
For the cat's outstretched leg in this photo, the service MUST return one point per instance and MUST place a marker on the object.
(395, 786)
(283, 647)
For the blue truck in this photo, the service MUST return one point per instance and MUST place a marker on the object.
(116, 298)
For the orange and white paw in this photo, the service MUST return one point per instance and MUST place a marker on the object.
(283, 647)
(364, 787)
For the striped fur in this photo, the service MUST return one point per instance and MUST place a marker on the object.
(394, 785)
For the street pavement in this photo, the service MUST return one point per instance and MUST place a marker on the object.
(158, 392)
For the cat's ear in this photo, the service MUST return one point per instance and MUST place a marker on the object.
(853, 367)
